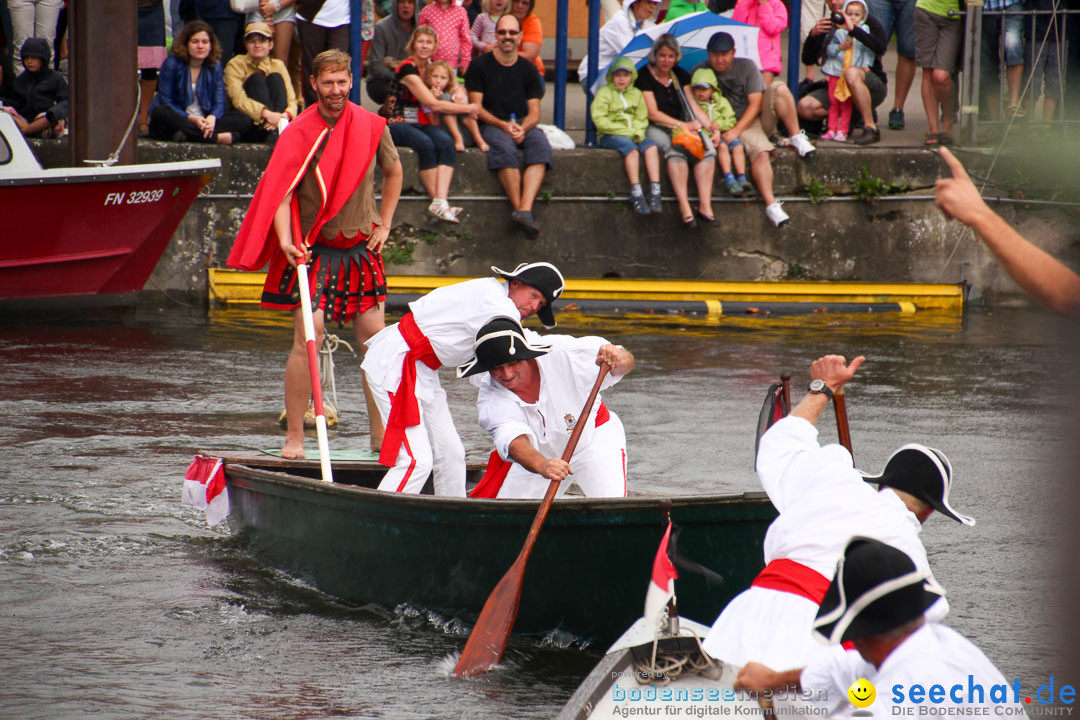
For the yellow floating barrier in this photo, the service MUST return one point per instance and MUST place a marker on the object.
(230, 287)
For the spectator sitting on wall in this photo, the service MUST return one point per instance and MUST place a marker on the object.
(621, 118)
(758, 109)
(508, 89)
(636, 15)
(280, 15)
(388, 47)
(38, 98)
(190, 100)
(868, 89)
(258, 86)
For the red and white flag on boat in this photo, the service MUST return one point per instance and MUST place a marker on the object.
(662, 585)
(204, 488)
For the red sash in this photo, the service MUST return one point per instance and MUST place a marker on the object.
(404, 410)
(497, 468)
(792, 577)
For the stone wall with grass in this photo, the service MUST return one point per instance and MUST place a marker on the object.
(861, 214)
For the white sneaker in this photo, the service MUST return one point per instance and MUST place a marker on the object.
(776, 215)
(802, 145)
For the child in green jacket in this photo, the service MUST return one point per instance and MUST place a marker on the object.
(620, 116)
(716, 106)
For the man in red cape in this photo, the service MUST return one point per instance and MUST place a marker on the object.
(316, 204)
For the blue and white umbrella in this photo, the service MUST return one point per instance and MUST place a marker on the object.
(693, 32)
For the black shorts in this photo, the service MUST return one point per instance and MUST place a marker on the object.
(504, 151)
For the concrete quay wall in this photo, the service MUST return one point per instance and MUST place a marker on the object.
(590, 230)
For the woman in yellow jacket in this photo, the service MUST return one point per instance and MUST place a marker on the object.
(621, 116)
(258, 85)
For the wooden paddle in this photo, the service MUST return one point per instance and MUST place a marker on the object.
(842, 429)
(489, 635)
(312, 356)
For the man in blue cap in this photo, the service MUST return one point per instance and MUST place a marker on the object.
(758, 109)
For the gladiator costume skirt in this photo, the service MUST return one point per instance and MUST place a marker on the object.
(343, 281)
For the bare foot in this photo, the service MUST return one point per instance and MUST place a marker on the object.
(226, 139)
(293, 448)
(484, 147)
(459, 146)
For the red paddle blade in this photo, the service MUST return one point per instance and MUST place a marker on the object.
(487, 641)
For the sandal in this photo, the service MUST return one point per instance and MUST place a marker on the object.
(945, 139)
(441, 210)
(932, 139)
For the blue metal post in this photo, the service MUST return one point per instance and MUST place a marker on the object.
(794, 51)
(594, 69)
(562, 12)
(356, 47)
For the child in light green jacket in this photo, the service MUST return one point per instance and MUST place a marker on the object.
(716, 106)
(620, 116)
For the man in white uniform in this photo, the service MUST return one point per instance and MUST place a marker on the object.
(823, 501)
(402, 361)
(877, 601)
(529, 401)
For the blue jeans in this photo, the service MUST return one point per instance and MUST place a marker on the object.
(433, 145)
(625, 145)
(995, 43)
(898, 16)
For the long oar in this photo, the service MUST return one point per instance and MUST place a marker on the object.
(487, 642)
(842, 429)
(312, 359)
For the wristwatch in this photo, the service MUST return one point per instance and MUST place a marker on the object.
(819, 387)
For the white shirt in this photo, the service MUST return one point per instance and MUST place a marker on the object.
(567, 375)
(450, 317)
(823, 502)
(934, 655)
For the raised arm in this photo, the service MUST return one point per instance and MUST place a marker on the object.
(1036, 271)
(836, 372)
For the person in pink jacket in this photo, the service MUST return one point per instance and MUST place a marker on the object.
(771, 16)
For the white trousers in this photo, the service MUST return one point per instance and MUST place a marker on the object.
(32, 18)
(433, 444)
(768, 626)
(599, 468)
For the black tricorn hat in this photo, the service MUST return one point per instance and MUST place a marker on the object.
(877, 588)
(500, 341)
(543, 276)
(925, 473)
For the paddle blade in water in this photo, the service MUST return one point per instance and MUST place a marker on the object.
(489, 635)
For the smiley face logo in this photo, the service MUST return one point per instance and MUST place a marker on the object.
(862, 693)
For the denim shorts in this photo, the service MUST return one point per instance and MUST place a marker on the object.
(897, 16)
(625, 145)
(994, 45)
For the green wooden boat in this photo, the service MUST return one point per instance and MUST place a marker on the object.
(587, 574)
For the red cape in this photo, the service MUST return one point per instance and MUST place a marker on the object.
(349, 152)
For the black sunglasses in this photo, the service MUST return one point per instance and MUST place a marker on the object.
(506, 32)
